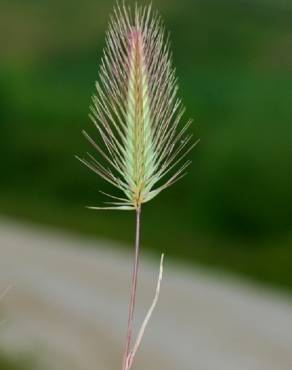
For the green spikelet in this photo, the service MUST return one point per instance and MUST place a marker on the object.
(136, 111)
(139, 142)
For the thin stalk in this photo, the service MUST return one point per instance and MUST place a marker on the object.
(133, 290)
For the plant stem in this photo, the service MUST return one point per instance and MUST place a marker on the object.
(133, 290)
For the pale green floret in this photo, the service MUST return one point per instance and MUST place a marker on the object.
(139, 151)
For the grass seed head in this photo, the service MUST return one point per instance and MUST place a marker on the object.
(136, 110)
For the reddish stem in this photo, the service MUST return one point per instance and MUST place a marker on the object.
(133, 290)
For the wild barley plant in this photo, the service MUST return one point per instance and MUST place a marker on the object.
(138, 115)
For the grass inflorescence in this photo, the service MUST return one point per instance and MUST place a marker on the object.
(136, 110)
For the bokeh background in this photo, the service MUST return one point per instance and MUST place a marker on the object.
(233, 211)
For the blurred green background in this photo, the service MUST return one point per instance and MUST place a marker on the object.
(234, 61)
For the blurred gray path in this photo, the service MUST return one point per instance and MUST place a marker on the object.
(69, 303)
